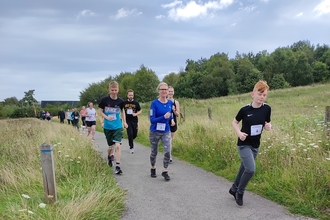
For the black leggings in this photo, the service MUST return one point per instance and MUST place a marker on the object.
(132, 131)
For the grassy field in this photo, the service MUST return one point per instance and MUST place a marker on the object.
(85, 186)
(293, 166)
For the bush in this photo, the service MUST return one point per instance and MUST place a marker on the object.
(23, 112)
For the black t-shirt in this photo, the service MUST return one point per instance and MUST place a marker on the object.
(253, 121)
(131, 107)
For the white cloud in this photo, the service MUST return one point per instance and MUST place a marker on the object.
(122, 13)
(248, 8)
(299, 14)
(192, 9)
(172, 5)
(85, 13)
(159, 16)
(323, 8)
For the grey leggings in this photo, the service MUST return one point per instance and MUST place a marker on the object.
(155, 137)
(247, 169)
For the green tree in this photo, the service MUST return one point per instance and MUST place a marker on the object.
(171, 79)
(282, 61)
(145, 84)
(306, 47)
(126, 82)
(278, 82)
(320, 72)
(302, 73)
(326, 59)
(320, 51)
(208, 86)
(28, 98)
(187, 85)
(247, 75)
(11, 101)
(94, 93)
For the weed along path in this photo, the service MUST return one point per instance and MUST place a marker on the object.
(192, 193)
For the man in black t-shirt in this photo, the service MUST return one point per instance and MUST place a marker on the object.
(132, 110)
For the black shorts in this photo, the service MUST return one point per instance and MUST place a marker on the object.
(90, 123)
(174, 128)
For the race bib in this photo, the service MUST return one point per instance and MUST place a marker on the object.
(160, 126)
(76, 117)
(129, 111)
(256, 130)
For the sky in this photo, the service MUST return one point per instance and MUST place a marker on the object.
(58, 48)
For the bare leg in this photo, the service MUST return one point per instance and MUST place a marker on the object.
(93, 131)
(118, 152)
(88, 131)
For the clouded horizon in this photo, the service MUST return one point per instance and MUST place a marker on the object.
(60, 47)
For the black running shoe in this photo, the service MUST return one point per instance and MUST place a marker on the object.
(231, 192)
(239, 199)
(118, 171)
(166, 176)
(153, 173)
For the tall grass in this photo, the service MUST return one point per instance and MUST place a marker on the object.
(293, 165)
(85, 187)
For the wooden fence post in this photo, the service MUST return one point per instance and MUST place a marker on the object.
(48, 172)
(209, 111)
(327, 120)
(184, 112)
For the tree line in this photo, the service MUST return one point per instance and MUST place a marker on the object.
(299, 64)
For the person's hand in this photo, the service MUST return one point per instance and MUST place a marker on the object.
(242, 136)
(268, 126)
(167, 115)
(110, 118)
(125, 125)
(172, 122)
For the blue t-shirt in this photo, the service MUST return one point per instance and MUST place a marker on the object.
(157, 111)
(112, 107)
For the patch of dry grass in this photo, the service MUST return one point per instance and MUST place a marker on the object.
(85, 187)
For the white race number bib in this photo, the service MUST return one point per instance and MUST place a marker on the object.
(160, 126)
(256, 130)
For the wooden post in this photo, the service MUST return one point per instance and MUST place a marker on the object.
(184, 113)
(327, 120)
(48, 172)
(209, 111)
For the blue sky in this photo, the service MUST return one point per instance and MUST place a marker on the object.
(59, 47)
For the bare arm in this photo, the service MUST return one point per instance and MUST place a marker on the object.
(137, 113)
(123, 117)
(177, 109)
(241, 135)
